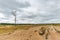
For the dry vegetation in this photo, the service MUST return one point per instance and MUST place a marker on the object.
(6, 28)
(30, 32)
(11, 28)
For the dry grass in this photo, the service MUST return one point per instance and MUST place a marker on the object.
(27, 32)
(11, 28)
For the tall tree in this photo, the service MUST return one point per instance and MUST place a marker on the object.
(14, 14)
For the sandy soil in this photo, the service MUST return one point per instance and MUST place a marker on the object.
(31, 34)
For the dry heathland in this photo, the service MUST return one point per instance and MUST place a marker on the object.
(29, 32)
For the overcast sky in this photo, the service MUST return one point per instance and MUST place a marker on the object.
(30, 11)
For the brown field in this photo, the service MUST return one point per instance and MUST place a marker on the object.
(28, 32)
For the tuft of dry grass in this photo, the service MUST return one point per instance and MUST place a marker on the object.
(12, 28)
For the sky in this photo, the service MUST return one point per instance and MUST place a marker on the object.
(30, 11)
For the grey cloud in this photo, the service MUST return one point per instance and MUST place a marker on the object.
(52, 10)
(9, 5)
(12, 4)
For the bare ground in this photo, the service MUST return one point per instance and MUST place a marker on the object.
(31, 34)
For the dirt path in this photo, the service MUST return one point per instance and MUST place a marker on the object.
(31, 34)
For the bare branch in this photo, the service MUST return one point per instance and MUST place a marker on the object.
(14, 14)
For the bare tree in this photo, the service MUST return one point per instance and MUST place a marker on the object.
(14, 14)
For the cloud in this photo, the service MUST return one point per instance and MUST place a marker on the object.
(31, 11)
(9, 5)
(41, 11)
(5, 19)
(2, 15)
